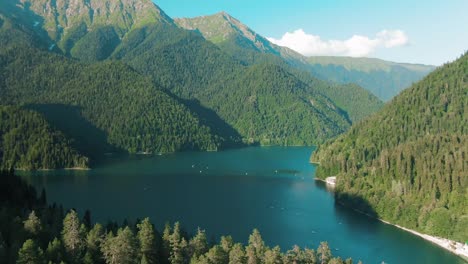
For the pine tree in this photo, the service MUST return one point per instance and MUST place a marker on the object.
(33, 224)
(237, 254)
(273, 256)
(198, 244)
(54, 251)
(227, 243)
(216, 254)
(73, 235)
(30, 253)
(256, 248)
(93, 242)
(178, 246)
(324, 252)
(147, 238)
(120, 249)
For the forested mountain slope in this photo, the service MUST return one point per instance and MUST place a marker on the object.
(127, 109)
(382, 78)
(198, 71)
(139, 83)
(409, 160)
(28, 142)
(250, 48)
(194, 68)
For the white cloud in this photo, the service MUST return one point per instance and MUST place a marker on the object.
(356, 46)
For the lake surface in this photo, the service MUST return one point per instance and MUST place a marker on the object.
(230, 193)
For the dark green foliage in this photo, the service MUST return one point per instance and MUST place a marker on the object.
(125, 110)
(27, 141)
(96, 45)
(245, 45)
(73, 243)
(409, 160)
(265, 103)
(30, 253)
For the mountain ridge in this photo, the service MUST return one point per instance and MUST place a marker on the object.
(383, 78)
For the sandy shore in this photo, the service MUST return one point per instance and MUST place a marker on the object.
(457, 248)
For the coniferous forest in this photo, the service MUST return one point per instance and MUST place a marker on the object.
(32, 231)
(409, 160)
(86, 82)
(152, 87)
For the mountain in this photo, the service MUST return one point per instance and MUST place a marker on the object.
(136, 82)
(408, 162)
(250, 48)
(85, 28)
(382, 78)
(251, 99)
(102, 107)
(234, 37)
(385, 79)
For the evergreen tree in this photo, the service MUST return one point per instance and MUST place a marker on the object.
(147, 238)
(237, 254)
(30, 253)
(93, 242)
(324, 252)
(310, 256)
(199, 243)
(55, 251)
(216, 255)
(33, 224)
(73, 235)
(227, 243)
(256, 248)
(273, 256)
(178, 246)
(120, 249)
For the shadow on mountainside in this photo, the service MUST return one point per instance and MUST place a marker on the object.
(210, 119)
(86, 138)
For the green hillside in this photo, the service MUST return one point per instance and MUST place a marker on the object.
(408, 162)
(252, 99)
(28, 142)
(125, 109)
(382, 78)
(244, 44)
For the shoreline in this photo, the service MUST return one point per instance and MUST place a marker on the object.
(454, 247)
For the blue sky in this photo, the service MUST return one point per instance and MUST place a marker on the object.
(415, 31)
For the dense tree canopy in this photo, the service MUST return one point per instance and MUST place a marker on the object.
(408, 162)
(27, 141)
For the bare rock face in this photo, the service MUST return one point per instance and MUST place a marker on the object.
(60, 17)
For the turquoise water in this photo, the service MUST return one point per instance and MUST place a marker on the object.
(232, 192)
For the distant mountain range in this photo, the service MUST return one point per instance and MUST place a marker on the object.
(407, 163)
(121, 76)
(384, 79)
